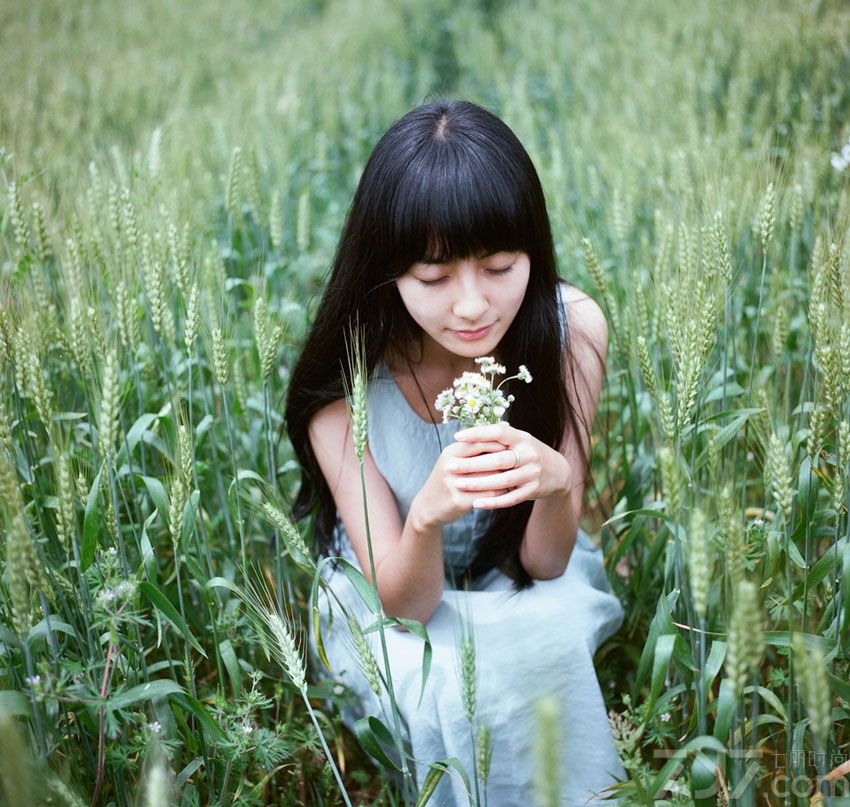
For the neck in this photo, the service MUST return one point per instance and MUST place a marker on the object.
(431, 361)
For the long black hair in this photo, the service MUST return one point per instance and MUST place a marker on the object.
(447, 181)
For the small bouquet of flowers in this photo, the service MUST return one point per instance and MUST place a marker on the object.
(473, 400)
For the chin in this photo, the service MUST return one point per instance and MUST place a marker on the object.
(475, 349)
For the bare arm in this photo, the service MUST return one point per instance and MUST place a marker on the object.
(408, 556)
(554, 522)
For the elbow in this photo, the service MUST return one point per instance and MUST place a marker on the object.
(421, 614)
(401, 606)
(405, 601)
(547, 567)
(551, 571)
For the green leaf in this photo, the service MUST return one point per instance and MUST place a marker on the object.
(245, 473)
(148, 562)
(165, 664)
(662, 623)
(164, 606)
(231, 664)
(161, 688)
(187, 772)
(625, 540)
(14, 704)
(798, 749)
(41, 630)
(317, 617)
(704, 779)
(198, 574)
(713, 663)
(418, 629)
(91, 523)
(781, 638)
(435, 773)
(839, 687)
(193, 706)
(70, 416)
(732, 391)
(660, 664)
(845, 586)
(223, 582)
(202, 428)
(257, 793)
(190, 511)
(808, 486)
(656, 510)
(137, 430)
(794, 555)
(7, 636)
(364, 589)
(725, 711)
(157, 493)
(821, 569)
(770, 698)
(696, 744)
(731, 430)
(371, 732)
(639, 475)
(656, 549)
(50, 502)
(432, 779)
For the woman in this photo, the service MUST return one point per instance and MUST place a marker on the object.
(447, 255)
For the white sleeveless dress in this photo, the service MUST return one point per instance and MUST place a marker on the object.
(540, 641)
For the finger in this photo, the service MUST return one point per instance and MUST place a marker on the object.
(505, 481)
(492, 494)
(502, 460)
(502, 432)
(469, 496)
(471, 449)
(509, 499)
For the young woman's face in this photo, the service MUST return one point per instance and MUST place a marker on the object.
(465, 307)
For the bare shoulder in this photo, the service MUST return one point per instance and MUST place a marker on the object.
(333, 415)
(587, 337)
(586, 320)
(328, 426)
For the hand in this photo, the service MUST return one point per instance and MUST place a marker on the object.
(522, 468)
(442, 498)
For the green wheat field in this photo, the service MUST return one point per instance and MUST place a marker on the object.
(173, 179)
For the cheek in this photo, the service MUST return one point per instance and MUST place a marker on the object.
(519, 293)
(412, 301)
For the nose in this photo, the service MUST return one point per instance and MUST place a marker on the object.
(470, 303)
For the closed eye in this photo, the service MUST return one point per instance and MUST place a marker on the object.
(436, 281)
(502, 271)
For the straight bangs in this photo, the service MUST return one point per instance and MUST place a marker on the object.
(455, 204)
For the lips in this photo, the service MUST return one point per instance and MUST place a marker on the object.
(472, 335)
